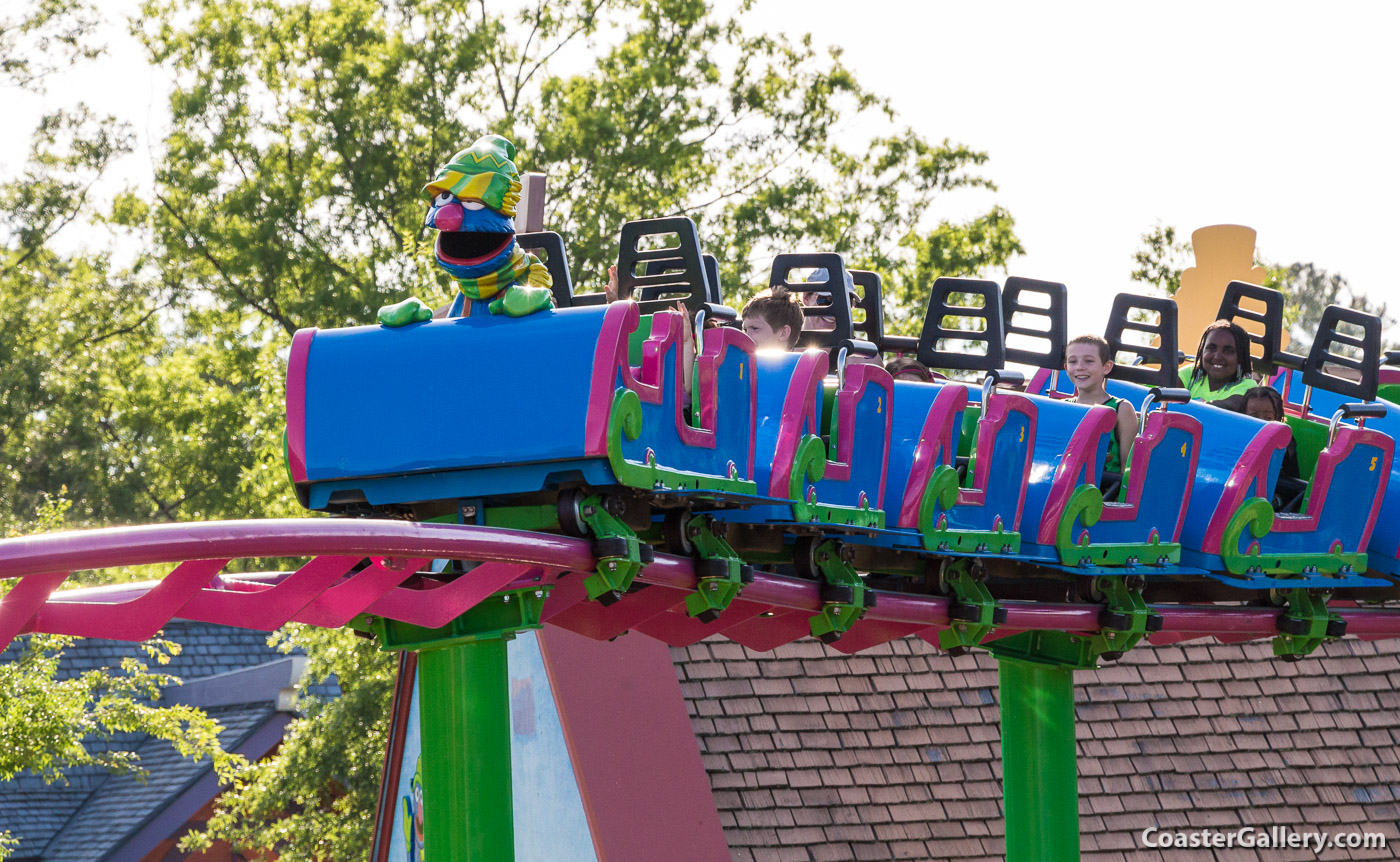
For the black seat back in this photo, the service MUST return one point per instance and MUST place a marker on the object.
(1365, 377)
(548, 246)
(832, 298)
(1121, 319)
(1270, 341)
(936, 331)
(658, 278)
(1018, 314)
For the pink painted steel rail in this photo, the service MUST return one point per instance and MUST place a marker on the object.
(327, 591)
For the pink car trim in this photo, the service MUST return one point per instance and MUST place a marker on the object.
(934, 449)
(1081, 454)
(1249, 479)
(799, 416)
(296, 403)
(647, 380)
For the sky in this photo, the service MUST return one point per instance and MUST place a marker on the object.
(1101, 120)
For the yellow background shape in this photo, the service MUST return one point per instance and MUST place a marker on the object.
(1224, 253)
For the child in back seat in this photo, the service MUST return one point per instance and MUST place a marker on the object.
(1262, 402)
(1088, 362)
(773, 319)
(909, 368)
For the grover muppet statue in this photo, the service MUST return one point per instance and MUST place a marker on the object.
(473, 201)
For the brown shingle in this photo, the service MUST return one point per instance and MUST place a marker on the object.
(816, 756)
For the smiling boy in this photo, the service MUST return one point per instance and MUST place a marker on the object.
(1087, 363)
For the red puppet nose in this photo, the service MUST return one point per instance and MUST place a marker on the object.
(448, 217)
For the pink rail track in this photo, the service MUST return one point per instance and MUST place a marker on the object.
(328, 591)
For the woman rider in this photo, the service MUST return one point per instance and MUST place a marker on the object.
(1221, 375)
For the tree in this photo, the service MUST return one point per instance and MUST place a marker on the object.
(49, 719)
(79, 343)
(1309, 290)
(302, 134)
(286, 196)
(1161, 260)
(315, 798)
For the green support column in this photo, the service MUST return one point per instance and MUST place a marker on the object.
(1040, 783)
(464, 725)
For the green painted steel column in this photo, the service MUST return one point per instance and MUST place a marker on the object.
(464, 723)
(1039, 776)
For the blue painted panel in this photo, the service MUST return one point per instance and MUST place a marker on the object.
(482, 482)
(867, 454)
(550, 823)
(448, 394)
(1004, 480)
(774, 376)
(912, 401)
(1165, 487)
(406, 833)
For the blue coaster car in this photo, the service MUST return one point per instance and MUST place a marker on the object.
(1352, 528)
(380, 417)
(985, 516)
(1068, 523)
(1230, 527)
(1144, 525)
(1311, 430)
(820, 460)
(1231, 524)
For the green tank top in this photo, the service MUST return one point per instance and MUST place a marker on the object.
(1200, 390)
(1113, 463)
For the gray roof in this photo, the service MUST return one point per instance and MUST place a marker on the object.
(91, 813)
(126, 802)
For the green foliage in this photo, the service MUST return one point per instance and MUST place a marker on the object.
(316, 798)
(149, 384)
(47, 35)
(303, 132)
(1161, 260)
(1309, 290)
(44, 719)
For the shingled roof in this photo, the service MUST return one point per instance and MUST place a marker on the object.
(92, 814)
(894, 753)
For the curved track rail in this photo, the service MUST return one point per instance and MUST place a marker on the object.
(337, 585)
